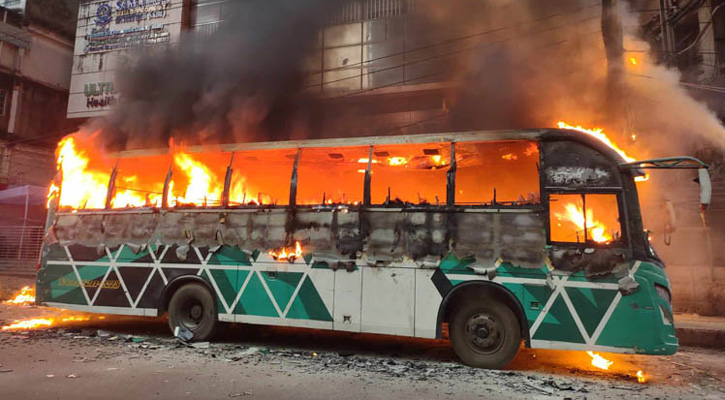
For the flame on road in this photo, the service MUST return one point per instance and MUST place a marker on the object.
(599, 361)
(36, 323)
(25, 297)
(641, 377)
(29, 324)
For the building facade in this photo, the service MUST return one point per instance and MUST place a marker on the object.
(106, 33)
(36, 49)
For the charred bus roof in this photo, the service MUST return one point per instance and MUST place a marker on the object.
(440, 138)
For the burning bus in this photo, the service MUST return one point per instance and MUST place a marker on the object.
(490, 238)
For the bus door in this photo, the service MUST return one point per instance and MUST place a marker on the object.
(586, 219)
(587, 239)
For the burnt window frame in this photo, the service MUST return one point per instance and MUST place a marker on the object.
(621, 243)
(230, 175)
(294, 182)
(451, 196)
(369, 181)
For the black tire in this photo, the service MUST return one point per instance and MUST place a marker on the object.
(194, 308)
(484, 333)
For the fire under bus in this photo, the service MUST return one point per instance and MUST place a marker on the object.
(489, 238)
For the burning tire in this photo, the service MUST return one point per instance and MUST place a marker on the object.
(485, 333)
(192, 307)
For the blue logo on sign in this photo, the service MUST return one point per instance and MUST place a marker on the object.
(103, 15)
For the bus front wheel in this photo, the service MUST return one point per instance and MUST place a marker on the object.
(485, 333)
(192, 307)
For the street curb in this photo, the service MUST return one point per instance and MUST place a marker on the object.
(701, 337)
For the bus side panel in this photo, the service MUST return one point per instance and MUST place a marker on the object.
(643, 320)
(388, 301)
(427, 302)
(115, 280)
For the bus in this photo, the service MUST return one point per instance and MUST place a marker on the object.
(486, 238)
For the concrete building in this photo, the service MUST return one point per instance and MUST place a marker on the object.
(105, 31)
(35, 61)
(36, 54)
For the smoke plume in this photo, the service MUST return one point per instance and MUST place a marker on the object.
(502, 64)
(244, 79)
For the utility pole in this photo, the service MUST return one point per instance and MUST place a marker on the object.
(669, 46)
(613, 36)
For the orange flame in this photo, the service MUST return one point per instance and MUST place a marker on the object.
(25, 297)
(597, 231)
(285, 255)
(598, 133)
(35, 323)
(29, 324)
(83, 187)
(641, 377)
(599, 361)
(510, 157)
(203, 187)
(397, 161)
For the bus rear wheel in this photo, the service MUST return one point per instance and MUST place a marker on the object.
(485, 333)
(192, 307)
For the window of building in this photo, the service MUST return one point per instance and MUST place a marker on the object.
(414, 174)
(584, 218)
(208, 15)
(332, 176)
(3, 100)
(262, 177)
(497, 172)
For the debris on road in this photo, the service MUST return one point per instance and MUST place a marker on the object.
(183, 334)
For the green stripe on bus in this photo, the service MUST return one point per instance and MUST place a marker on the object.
(308, 304)
(226, 281)
(255, 301)
(591, 305)
(559, 325)
(282, 285)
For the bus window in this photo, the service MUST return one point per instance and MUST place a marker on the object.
(197, 178)
(135, 186)
(262, 177)
(414, 174)
(578, 218)
(506, 172)
(332, 176)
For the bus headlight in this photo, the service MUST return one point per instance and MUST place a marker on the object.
(664, 293)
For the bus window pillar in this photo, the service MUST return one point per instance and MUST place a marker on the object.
(167, 183)
(451, 178)
(293, 181)
(367, 196)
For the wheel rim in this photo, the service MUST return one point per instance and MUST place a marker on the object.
(191, 313)
(484, 333)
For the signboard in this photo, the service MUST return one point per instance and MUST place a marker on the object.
(106, 31)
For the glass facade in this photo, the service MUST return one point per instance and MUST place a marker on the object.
(207, 15)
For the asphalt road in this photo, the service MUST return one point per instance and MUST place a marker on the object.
(136, 358)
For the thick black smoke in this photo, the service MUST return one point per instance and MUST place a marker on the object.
(498, 64)
(245, 79)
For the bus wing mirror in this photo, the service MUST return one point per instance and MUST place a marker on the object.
(705, 188)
